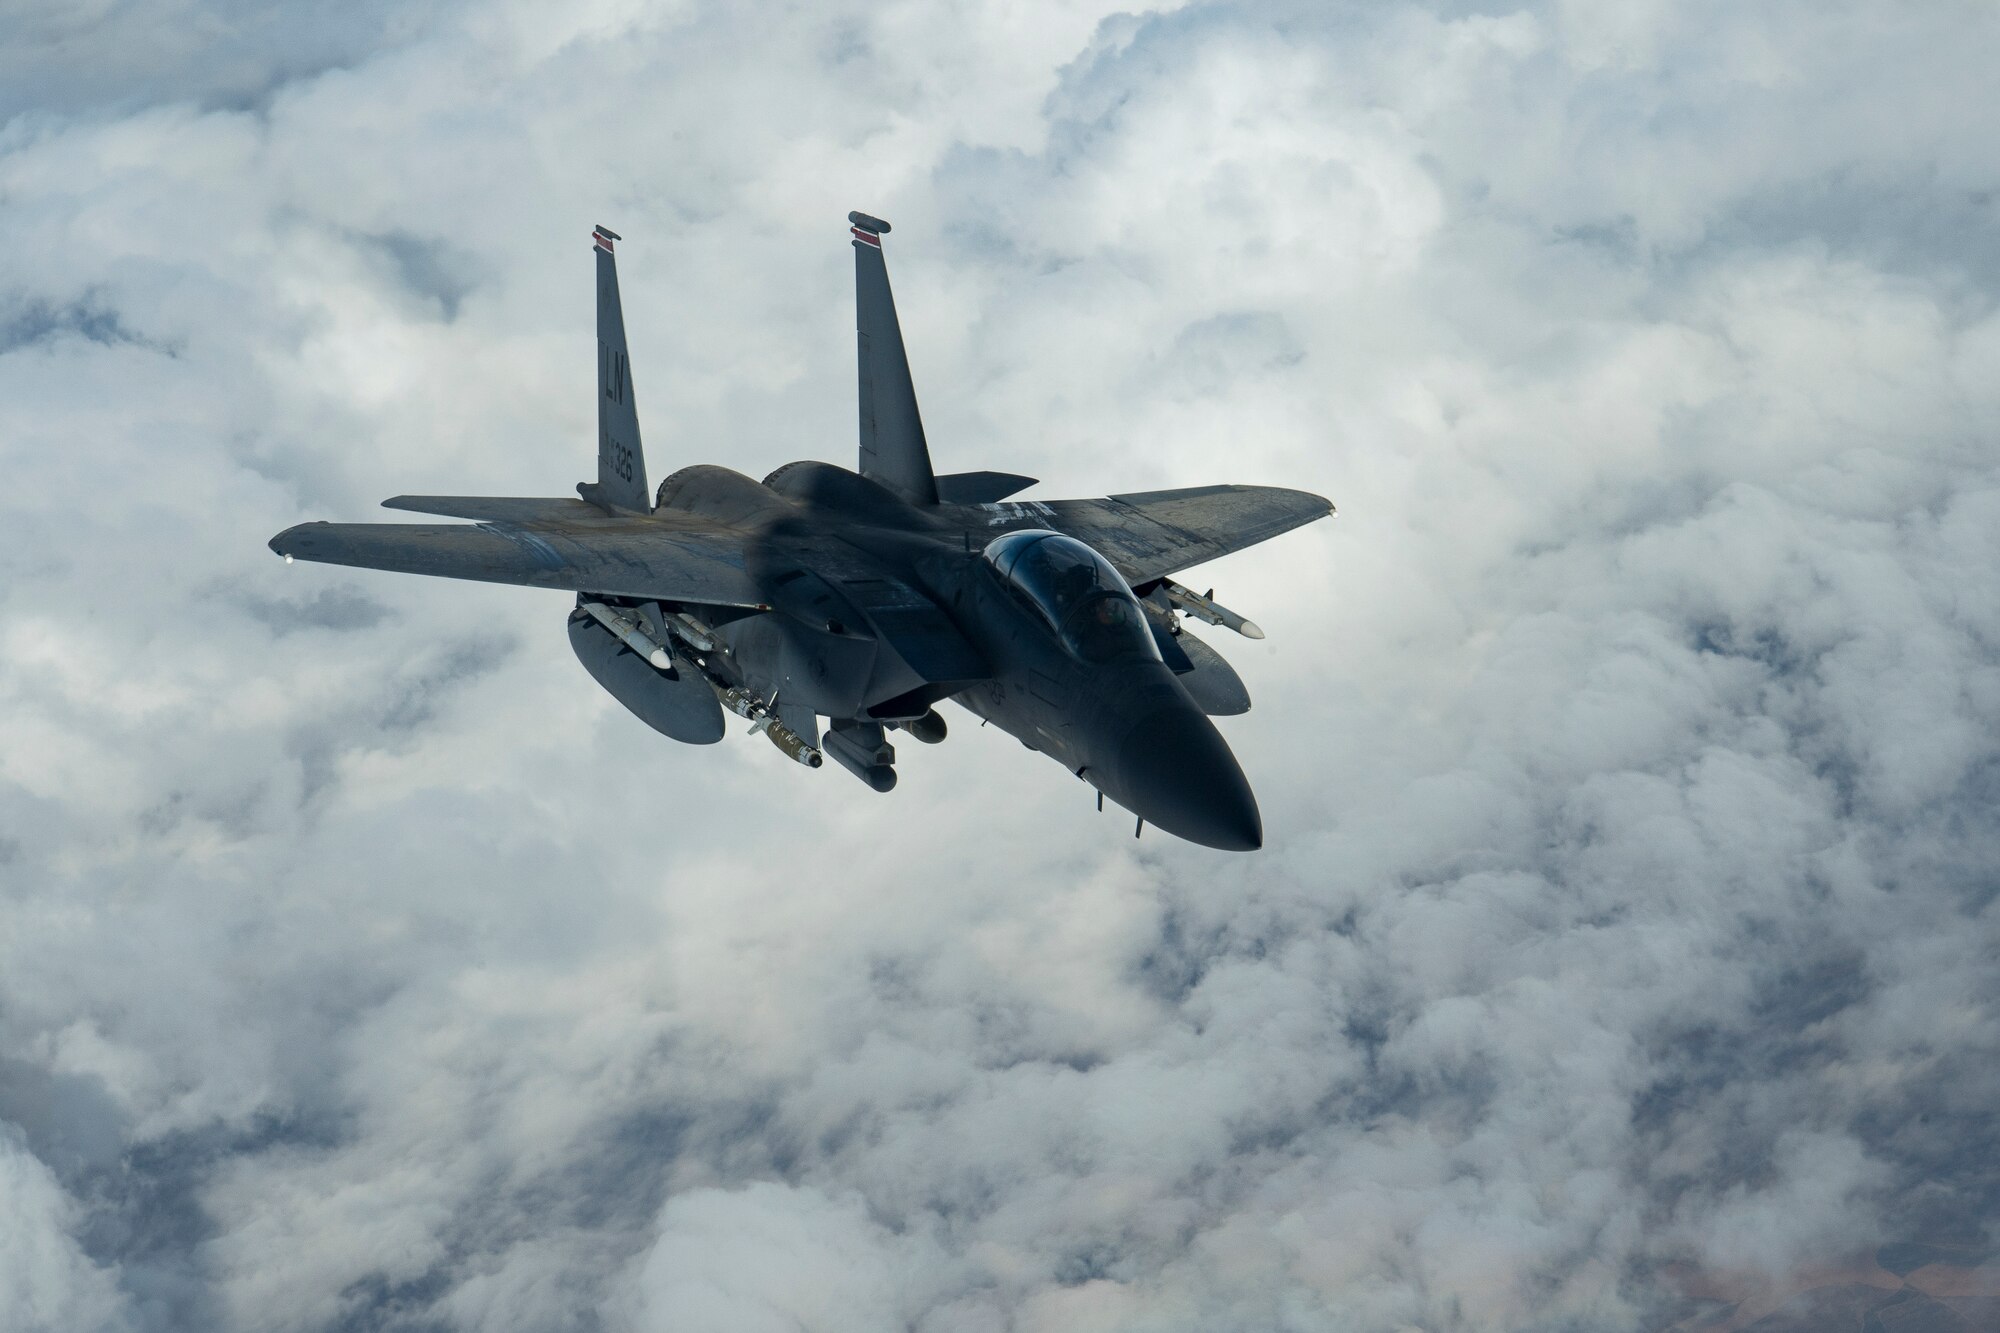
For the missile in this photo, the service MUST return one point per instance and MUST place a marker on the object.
(765, 719)
(632, 633)
(1204, 607)
(697, 635)
(677, 704)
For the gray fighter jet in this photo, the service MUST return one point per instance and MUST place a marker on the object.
(869, 597)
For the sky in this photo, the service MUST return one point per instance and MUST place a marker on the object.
(1626, 926)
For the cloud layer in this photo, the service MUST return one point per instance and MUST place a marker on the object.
(1626, 747)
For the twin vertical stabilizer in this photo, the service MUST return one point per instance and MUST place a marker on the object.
(893, 450)
(621, 463)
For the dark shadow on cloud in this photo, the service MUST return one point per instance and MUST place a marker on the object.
(1217, 354)
(1909, 223)
(847, 42)
(70, 1120)
(147, 1217)
(1809, 991)
(406, 707)
(418, 695)
(341, 609)
(430, 268)
(618, 1181)
(1180, 956)
(222, 55)
(379, 1304)
(1938, 1129)
(34, 322)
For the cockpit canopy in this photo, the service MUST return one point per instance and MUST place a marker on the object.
(1077, 591)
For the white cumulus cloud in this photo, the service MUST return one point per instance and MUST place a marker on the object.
(1626, 747)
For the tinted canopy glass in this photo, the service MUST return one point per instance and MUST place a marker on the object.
(1077, 591)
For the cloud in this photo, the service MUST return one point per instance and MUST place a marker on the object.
(46, 1281)
(1625, 747)
(769, 1257)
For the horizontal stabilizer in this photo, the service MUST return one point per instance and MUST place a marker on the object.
(506, 508)
(980, 488)
(653, 558)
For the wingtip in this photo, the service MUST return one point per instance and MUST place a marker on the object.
(295, 539)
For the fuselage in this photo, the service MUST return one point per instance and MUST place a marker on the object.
(1071, 674)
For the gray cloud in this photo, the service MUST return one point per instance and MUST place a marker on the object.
(1626, 936)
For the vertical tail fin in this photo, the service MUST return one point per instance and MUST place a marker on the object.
(621, 463)
(893, 450)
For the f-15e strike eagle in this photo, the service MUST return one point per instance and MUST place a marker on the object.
(869, 597)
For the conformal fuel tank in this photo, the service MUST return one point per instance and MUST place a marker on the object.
(679, 704)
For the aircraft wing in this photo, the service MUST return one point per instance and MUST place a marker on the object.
(680, 558)
(1151, 534)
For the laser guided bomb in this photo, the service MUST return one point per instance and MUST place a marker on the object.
(868, 597)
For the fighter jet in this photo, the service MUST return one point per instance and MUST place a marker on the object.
(869, 597)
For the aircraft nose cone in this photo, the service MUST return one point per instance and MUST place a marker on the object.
(1178, 774)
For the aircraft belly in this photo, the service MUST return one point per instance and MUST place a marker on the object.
(1014, 711)
(828, 672)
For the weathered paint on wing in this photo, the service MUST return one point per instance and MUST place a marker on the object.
(1151, 534)
(637, 557)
